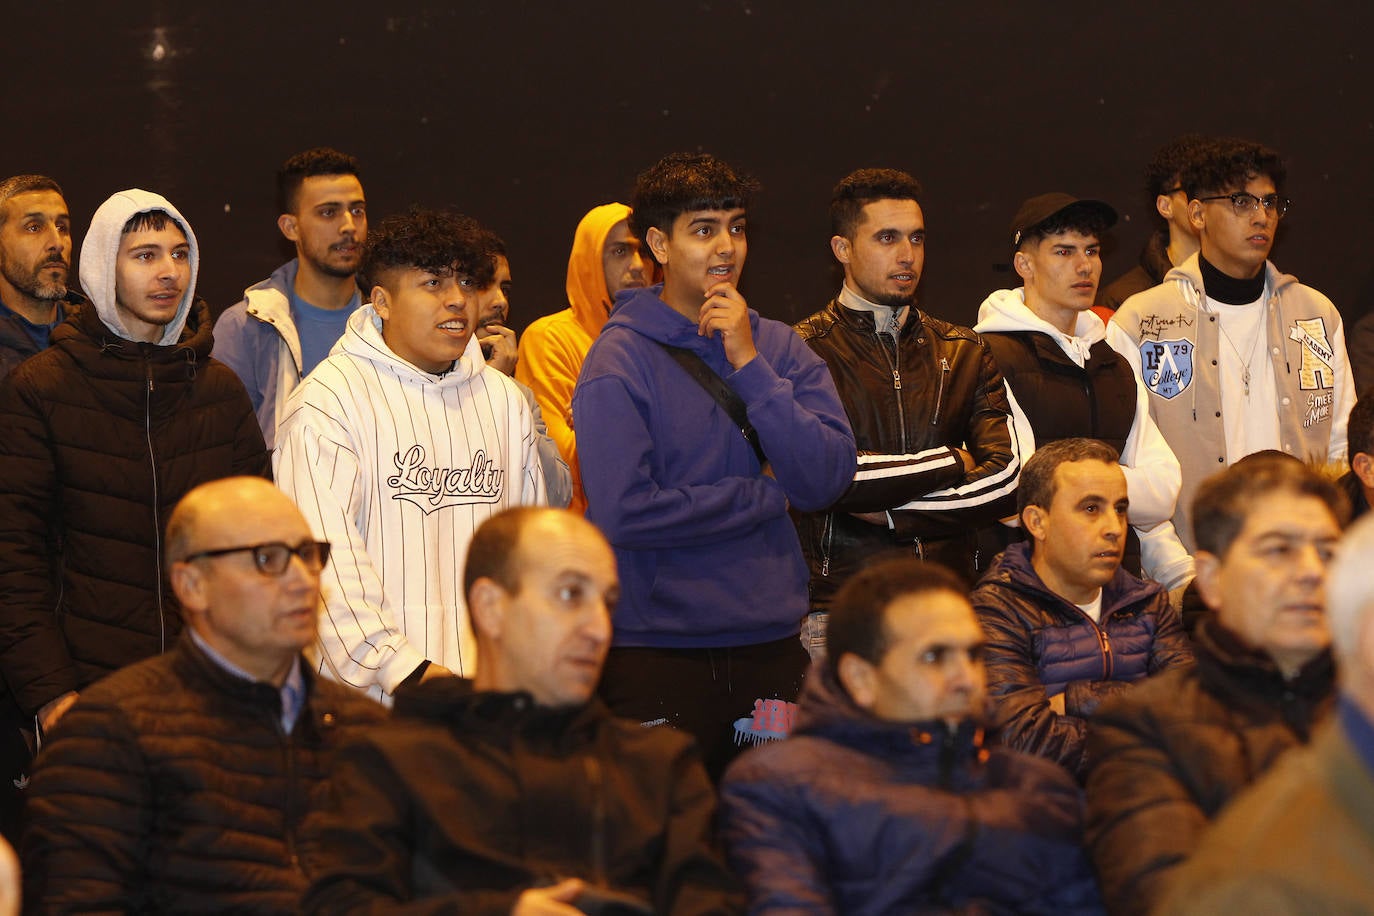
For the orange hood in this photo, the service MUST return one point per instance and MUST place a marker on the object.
(587, 294)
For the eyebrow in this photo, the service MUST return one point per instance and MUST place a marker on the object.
(40, 213)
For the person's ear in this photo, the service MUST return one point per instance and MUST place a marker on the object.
(1363, 466)
(859, 679)
(487, 607)
(839, 245)
(1197, 217)
(381, 304)
(657, 240)
(1164, 206)
(1208, 578)
(1036, 521)
(287, 224)
(189, 585)
(1022, 262)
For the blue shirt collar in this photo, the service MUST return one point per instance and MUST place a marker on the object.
(292, 689)
(1357, 728)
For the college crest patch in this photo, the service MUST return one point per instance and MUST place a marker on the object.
(1167, 366)
(1315, 372)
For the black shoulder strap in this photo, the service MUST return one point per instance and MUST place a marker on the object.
(720, 392)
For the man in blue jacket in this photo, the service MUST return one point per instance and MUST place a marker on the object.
(885, 800)
(1066, 625)
(693, 499)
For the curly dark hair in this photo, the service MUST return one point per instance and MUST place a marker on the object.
(1227, 164)
(313, 162)
(1359, 428)
(440, 242)
(860, 188)
(683, 182)
(1166, 166)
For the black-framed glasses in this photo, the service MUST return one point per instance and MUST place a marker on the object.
(272, 559)
(1243, 202)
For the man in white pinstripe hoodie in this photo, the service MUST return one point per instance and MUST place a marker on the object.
(397, 447)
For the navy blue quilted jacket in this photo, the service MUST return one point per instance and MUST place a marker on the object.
(859, 816)
(1040, 645)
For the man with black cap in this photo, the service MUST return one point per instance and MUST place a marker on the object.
(1066, 382)
(927, 405)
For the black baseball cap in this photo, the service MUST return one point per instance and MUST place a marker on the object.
(1039, 209)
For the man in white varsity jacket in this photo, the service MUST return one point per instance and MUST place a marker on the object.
(397, 447)
(1237, 356)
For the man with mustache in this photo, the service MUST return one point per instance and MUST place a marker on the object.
(1066, 625)
(287, 324)
(937, 458)
(1237, 356)
(100, 435)
(35, 259)
(501, 351)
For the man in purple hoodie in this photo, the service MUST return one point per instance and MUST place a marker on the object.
(698, 424)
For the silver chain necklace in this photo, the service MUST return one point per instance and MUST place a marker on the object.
(1244, 360)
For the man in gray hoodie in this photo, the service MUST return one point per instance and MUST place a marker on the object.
(100, 435)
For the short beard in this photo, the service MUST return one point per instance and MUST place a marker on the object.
(34, 285)
(893, 300)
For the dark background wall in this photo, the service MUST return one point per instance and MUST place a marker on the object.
(525, 114)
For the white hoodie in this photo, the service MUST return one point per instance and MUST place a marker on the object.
(100, 250)
(396, 468)
(1153, 475)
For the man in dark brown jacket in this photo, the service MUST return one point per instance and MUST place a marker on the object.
(177, 785)
(1168, 755)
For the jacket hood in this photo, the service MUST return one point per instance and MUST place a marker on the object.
(644, 312)
(1006, 311)
(588, 295)
(1188, 276)
(1012, 569)
(100, 248)
(363, 339)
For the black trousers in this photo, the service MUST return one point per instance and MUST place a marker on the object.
(728, 699)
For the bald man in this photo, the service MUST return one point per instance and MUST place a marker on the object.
(552, 786)
(178, 784)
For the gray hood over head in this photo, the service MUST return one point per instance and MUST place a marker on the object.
(100, 249)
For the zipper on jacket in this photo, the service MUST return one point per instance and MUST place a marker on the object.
(157, 527)
(940, 392)
(947, 755)
(598, 834)
(826, 534)
(1106, 645)
(894, 364)
(289, 805)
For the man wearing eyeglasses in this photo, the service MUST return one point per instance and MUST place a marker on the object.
(1237, 357)
(178, 784)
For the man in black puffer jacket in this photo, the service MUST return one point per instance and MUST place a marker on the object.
(937, 458)
(1166, 757)
(1066, 625)
(177, 785)
(100, 435)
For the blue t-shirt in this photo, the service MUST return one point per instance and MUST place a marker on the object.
(319, 329)
(40, 334)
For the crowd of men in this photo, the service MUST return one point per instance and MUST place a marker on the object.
(352, 600)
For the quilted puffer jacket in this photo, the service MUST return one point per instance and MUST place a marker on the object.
(1040, 645)
(99, 439)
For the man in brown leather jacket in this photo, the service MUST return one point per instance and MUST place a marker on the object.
(937, 456)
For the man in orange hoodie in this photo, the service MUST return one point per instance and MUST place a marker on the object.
(606, 258)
